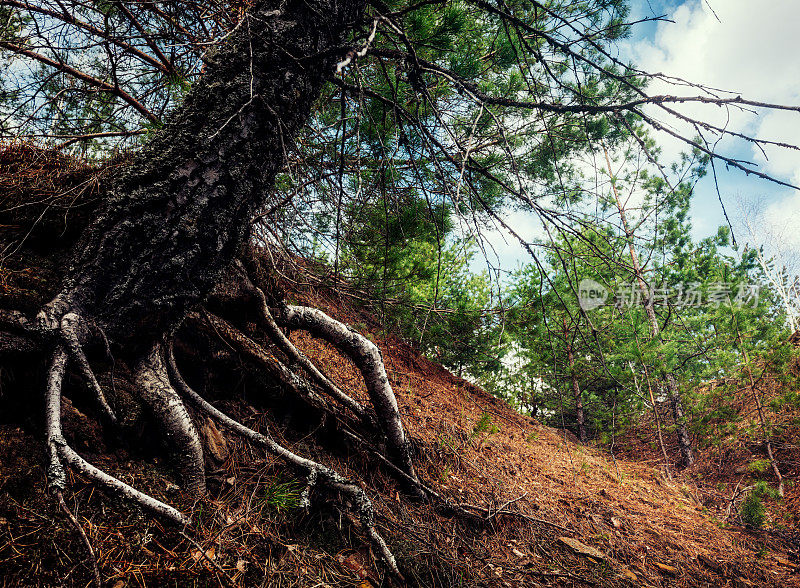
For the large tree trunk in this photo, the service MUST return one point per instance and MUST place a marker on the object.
(180, 212)
(170, 226)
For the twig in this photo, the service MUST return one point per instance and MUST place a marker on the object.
(228, 580)
(72, 519)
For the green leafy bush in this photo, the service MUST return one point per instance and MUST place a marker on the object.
(753, 512)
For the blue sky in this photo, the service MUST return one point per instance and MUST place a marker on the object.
(746, 47)
(738, 41)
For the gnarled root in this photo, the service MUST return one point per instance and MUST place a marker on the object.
(241, 289)
(314, 472)
(275, 369)
(60, 452)
(150, 373)
(276, 335)
(71, 325)
(155, 374)
(367, 357)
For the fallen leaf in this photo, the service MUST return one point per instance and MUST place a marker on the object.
(582, 548)
(197, 555)
(672, 571)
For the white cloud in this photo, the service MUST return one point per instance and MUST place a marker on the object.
(752, 51)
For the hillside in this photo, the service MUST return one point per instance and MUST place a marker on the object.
(245, 248)
(558, 514)
(733, 459)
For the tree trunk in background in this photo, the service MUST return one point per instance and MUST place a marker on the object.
(577, 395)
(670, 384)
(760, 411)
(684, 443)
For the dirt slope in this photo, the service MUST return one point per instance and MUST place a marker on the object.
(583, 519)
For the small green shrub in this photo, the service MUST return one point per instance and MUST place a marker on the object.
(758, 465)
(282, 495)
(764, 489)
(753, 512)
(484, 425)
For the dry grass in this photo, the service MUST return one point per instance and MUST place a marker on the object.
(250, 526)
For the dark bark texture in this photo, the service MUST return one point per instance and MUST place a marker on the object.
(176, 217)
(169, 227)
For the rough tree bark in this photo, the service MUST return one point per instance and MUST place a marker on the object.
(175, 220)
(179, 214)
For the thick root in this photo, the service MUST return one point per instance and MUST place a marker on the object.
(314, 472)
(60, 451)
(367, 357)
(70, 324)
(256, 354)
(241, 290)
(150, 373)
(18, 334)
(274, 332)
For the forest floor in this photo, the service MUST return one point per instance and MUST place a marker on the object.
(733, 459)
(584, 517)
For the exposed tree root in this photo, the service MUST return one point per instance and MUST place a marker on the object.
(70, 325)
(367, 357)
(60, 451)
(276, 335)
(150, 373)
(314, 472)
(162, 387)
(275, 369)
(155, 373)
